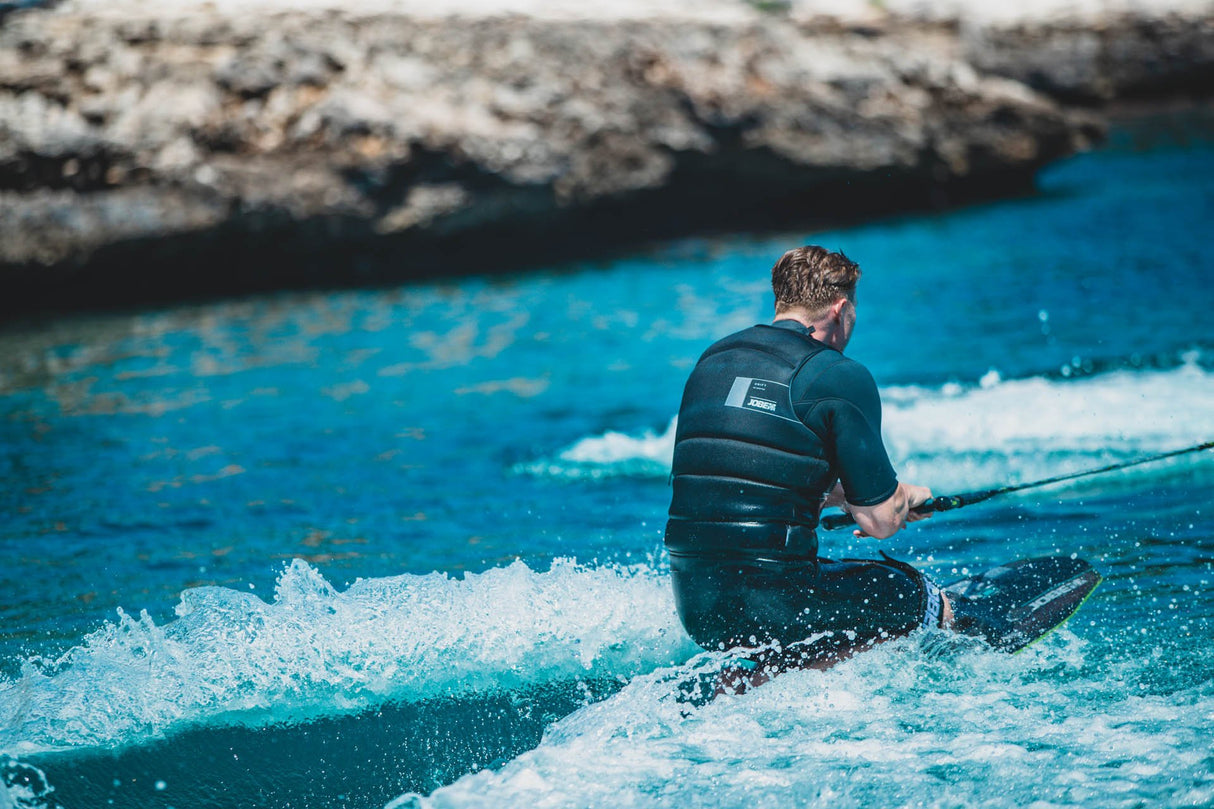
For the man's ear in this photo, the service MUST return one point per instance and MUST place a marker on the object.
(836, 309)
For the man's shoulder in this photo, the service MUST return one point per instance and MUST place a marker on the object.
(747, 336)
(832, 374)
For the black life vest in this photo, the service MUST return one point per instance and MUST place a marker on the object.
(748, 475)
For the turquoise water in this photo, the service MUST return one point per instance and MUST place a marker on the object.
(404, 546)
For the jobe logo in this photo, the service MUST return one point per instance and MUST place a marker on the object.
(762, 404)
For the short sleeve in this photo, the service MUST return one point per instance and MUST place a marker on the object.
(839, 401)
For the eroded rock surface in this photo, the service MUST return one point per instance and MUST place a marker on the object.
(150, 154)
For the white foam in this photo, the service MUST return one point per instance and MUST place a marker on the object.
(231, 657)
(1012, 431)
(975, 435)
(24, 786)
(900, 726)
(613, 447)
(611, 454)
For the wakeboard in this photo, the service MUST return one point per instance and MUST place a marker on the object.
(1016, 604)
(1010, 606)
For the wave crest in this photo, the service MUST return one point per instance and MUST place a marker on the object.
(232, 658)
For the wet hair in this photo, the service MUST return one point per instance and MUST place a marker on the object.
(813, 278)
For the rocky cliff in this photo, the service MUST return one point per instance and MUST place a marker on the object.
(150, 153)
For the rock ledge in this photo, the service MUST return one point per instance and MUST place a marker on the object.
(153, 155)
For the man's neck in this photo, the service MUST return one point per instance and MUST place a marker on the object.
(823, 329)
(796, 317)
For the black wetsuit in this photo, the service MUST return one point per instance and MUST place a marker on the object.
(771, 418)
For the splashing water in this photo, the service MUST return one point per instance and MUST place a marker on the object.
(232, 658)
(907, 724)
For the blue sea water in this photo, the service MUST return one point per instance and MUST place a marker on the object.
(403, 547)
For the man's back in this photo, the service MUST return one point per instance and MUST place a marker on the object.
(771, 418)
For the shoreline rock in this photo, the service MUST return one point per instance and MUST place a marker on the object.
(148, 155)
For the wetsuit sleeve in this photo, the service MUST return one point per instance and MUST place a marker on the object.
(838, 400)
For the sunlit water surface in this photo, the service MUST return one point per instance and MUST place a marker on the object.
(404, 546)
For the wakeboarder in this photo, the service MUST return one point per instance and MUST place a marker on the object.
(775, 424)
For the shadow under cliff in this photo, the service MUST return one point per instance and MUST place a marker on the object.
(258, 251)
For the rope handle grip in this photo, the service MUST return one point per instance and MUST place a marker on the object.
(946, 502)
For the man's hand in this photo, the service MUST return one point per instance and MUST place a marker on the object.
(889, 517)
(917, 496)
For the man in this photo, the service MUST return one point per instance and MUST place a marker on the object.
(775, 424)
